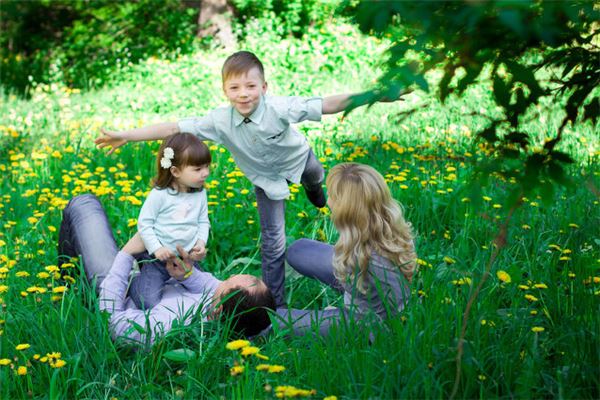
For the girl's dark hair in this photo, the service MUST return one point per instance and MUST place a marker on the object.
(187, 150)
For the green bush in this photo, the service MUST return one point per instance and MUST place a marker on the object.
(82, 43)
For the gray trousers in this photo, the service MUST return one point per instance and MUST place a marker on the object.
(272, 228)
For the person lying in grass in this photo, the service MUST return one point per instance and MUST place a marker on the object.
(174, 213)
(86, 233)
(258, 131)
(373, 260)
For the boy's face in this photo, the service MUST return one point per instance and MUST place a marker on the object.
(244, 91)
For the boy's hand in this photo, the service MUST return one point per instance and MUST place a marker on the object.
(110, 138)
(164, 254)
(198, 252)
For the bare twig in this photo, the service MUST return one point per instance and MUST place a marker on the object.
(499, 244)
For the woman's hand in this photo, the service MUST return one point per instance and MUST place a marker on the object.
(110, 138)
(180, 268)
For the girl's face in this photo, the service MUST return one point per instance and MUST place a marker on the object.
(191, 176)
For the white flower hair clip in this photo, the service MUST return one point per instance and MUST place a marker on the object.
(168, 155)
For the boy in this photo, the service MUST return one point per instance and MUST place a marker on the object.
(257, 131)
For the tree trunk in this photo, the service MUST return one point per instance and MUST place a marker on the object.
(215, 20)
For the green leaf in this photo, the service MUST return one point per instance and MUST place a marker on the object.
(180, 355)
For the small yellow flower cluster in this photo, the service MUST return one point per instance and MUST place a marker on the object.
(244, 349)
(291, 391)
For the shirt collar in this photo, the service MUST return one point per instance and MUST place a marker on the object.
(255, 117)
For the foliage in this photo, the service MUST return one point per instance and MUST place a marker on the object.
(292, 17)
(536, 53)
(82, 43)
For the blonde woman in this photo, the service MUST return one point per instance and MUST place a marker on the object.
(374, 259)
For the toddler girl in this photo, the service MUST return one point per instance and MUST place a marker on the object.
(174, 213)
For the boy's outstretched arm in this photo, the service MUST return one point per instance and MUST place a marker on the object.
(150, 132)
(340, 102)
(336, 103)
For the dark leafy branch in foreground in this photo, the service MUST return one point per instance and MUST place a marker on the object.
(514, 40)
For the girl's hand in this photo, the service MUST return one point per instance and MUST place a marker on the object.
(198, 252)
(110, 138)
(164, 254)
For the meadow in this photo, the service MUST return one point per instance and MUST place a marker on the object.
(534, 329)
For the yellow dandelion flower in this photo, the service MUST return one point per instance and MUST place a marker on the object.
(503, 276)
(22, 370)
(540, 286)
(60, 289)
(525, 226)
(249, 350)
(59, 364)
(237, 344)
(537, 329)
(3, 288)
(274, 369)
(4, 361)
(43, 275)
(330, 398)
(22, 346)
(22, 274)
(236, 370)
(531, 298)
(51, 268)
(262, 367)
(487, 198)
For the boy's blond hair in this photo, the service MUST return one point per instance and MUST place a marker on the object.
(368, 220)
(240, 63)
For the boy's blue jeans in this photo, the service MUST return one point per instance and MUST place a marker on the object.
(272, 228)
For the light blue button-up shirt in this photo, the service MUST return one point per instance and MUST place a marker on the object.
(267, 149)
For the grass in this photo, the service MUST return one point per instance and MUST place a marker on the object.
(48, 157)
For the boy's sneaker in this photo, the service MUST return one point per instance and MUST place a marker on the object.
(316, 197)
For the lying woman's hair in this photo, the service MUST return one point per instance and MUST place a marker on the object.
(368, 219)
(248, 310)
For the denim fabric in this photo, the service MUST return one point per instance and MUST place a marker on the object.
(314, 173)
(85, 232)
(304, 322)
(146, 288)
(272, 227)
(315, 260)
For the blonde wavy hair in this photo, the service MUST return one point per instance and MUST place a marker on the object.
(368, 219)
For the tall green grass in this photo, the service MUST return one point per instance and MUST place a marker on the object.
(47, 156)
